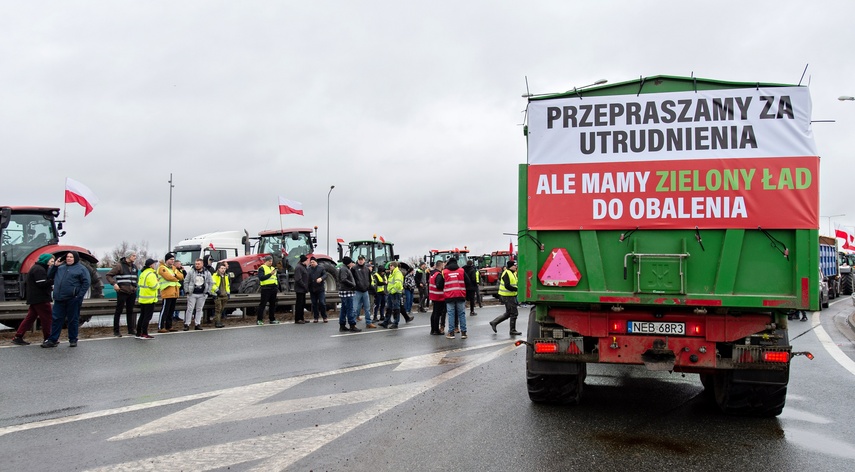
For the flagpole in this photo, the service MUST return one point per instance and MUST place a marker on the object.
(169, 239)
(281, 227)
(65, 203)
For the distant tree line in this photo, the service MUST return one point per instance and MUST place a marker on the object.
(141, 249)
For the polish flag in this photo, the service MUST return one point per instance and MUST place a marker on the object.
(382, 240)
(290, 207)
(339, 240)
(75, 192)
(847, 236)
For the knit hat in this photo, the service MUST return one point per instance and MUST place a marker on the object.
(346, 260)
(168, 256)
(303, 258)
(149, 262)
(44, 258)
(511, 264)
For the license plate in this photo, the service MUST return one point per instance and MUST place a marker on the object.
(655, 327)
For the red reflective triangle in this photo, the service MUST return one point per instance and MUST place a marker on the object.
(559, 270)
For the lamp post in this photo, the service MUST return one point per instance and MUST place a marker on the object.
(328, 218)
(830, 232)
(169, 238)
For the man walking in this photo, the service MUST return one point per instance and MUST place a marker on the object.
(71, 282)
(221, 292)
(269, 288)
(394, 291)
(508, 295)
(301, 287)
(317, 290)
(123, 277)
(197, 285)
(361, 300)
(169, 281)
(346, 288)
(39, 286)
(455, 298)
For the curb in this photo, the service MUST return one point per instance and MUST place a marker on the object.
(850, 320)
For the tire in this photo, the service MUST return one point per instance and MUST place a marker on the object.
(250, 285)
(758, 400)
(824, 304)
(846, 281)
(552, 389)
(96, 287)
(331, 282)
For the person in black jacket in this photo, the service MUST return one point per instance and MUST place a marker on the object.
(301, 288)
(39, 286)
(123, 277)
(469, 271)
(71, 281)
(317, 290)
(346, 288)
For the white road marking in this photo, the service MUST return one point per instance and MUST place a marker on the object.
(830, 346)
(279, 451)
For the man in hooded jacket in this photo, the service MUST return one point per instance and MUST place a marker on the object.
(71, 281)
(38, 298)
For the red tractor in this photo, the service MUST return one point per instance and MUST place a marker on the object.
(25, 234)
(286, 246)
(498, 261)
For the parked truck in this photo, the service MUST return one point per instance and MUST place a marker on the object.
(669, 222)
(216, 246)
(829, 264)
(845, 264)
(26, 232)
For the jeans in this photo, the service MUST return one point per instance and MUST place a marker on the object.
(68, 310)
(456, 315)
(319, 305)
(380, 304)
(362, 301)
(346, 316)
(408, 301)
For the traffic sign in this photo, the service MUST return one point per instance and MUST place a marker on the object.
(559, 270)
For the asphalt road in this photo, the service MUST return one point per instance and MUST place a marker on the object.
(304, 397)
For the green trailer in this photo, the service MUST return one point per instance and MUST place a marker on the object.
(669, 222)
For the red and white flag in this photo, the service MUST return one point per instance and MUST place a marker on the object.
(339, 240)
(290, 207)
(75, 192)
(846, 235)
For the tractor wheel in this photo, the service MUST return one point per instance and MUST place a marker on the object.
(330, 282)
(846, 281)
(250, 285)
(96, 287)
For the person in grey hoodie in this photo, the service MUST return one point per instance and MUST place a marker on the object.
(71, 281)
(197, 284)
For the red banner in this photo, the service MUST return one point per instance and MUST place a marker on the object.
(780, 192)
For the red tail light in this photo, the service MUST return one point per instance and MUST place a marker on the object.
(776, 356)
(545, 348)
(618, 327)
(694, 329)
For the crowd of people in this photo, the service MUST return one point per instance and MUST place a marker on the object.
(381, 297)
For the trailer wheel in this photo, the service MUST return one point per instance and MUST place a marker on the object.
(552, 389)
(748, 399)
(250, 285)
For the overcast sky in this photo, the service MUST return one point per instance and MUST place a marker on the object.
(411, 109)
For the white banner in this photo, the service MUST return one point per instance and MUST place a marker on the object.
(731, 123)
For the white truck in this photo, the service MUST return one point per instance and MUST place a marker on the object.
(218, 245)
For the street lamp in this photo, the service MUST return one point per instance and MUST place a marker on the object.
(328, 218)
(169, 239)
(830, 232)
(846, 98)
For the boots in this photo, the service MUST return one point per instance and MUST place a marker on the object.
(498, 320)
(354, 329)
(395, 317)
(514, 331)
(804, 316)
(342, 328)
(407, 317)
